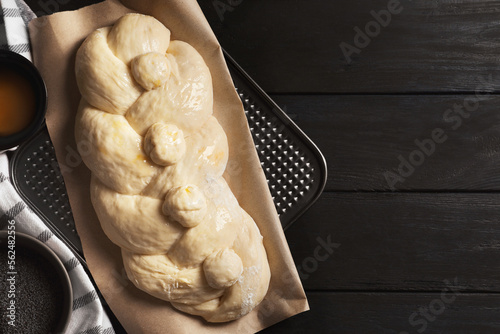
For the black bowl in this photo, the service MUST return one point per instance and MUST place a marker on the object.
(37, 284)
(26, 68)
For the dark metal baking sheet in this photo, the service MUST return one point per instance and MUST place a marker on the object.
(294, 167)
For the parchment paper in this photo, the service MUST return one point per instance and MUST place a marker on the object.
(55, 40)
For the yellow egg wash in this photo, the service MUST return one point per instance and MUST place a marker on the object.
(17, 102)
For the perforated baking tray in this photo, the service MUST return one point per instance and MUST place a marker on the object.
(294, 167)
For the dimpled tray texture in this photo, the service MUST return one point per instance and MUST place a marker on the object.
(294, 167)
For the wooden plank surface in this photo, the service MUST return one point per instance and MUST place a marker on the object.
(395, 313)
(392, 253)
(371, 141)
(294, 45)
(399, 241)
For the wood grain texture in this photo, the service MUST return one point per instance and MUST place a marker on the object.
(293, 45)
(363, 136)
(395, 313)
(371, 258)
(399, 241)
(47, 7)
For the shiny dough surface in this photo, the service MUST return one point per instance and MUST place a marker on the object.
(157, 155)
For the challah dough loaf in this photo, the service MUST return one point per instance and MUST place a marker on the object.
(157, 156)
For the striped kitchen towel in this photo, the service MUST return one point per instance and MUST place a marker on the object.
(13, 22)
(88, 314)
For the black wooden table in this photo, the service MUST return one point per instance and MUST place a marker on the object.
(401, 97)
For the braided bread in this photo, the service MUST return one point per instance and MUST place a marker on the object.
(157, 156)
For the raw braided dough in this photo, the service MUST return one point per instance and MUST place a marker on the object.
(157, 156)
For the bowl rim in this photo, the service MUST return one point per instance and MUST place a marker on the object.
(29, 71)
(26, 241)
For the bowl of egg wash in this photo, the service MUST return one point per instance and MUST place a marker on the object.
(23, 99)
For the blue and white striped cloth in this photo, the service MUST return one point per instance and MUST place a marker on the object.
(88, 315)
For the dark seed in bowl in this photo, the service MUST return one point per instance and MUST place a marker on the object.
(38, 294)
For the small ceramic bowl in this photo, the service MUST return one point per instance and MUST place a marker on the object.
(38, 294)
(22, 66)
